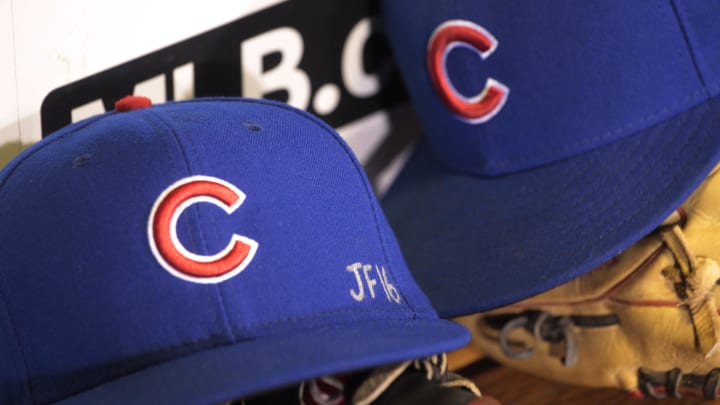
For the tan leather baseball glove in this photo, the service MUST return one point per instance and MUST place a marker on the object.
(646, 321)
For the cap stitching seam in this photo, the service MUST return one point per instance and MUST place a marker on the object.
(699, 94)
(8, 173)
(324, 126)
(639, 195)
(613, 202)
(325, 314)
(358, 170)
(201, 239)
(31, 152)
(190, 343)
(217, 341)
(663, 187)
(28, 385)
(126, 370)
(168, 152)
(676, 11)
(191, 148)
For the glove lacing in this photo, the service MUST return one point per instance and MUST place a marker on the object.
(695, 279)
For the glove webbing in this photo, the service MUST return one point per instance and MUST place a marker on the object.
(434, 367)
(342, 390)
(695, 278)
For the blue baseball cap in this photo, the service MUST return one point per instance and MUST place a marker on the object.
(556, 134)
(197, 252)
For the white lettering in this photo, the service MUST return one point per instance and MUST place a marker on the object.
(326, 99)
(358, 295)
(391, 293)
(356, 80)
(285, 76)
(382, 282)
(390, 290)
(370, 281)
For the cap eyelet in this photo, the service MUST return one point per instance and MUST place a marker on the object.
(252, 126)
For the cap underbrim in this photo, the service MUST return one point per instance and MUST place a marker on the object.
(250, 367)
(476, 243)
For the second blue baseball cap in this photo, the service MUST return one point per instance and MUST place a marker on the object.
(194, 253)
(557, 133)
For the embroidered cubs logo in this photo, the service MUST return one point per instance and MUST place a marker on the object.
(461, 33)
(169, 251)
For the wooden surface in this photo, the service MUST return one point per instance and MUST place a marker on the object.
(513, 387)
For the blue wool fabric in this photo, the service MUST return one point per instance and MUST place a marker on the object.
(609, 118)
(93, 308)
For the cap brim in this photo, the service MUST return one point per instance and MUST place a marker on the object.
(250, 367)
(476, 243)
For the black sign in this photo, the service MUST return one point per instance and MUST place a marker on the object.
(325, 56)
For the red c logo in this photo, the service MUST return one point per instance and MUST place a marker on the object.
(172, 255)
(444, 39)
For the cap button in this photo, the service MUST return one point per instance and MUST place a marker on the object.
(129, 103)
